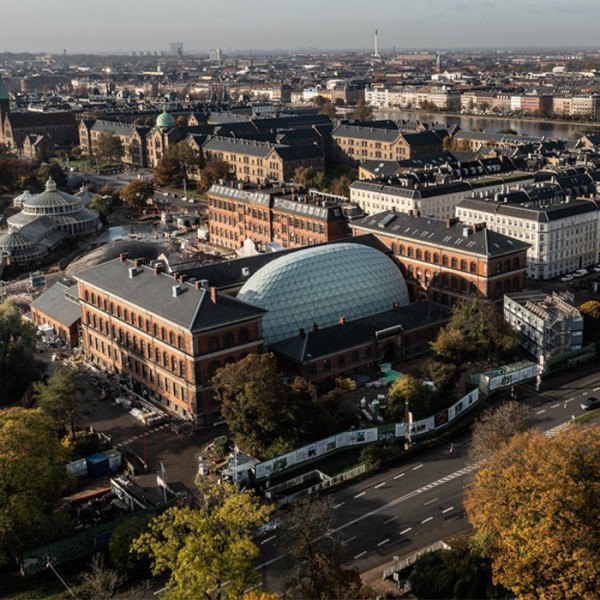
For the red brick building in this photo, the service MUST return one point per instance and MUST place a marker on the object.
(445, 261)
(167, 336)
(265, 215)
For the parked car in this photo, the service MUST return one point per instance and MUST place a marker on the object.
(590, 403)
(567, 277)
(580, 273)
(269, 527)
(597, 268)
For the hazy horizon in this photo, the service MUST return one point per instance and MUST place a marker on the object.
(266, 25)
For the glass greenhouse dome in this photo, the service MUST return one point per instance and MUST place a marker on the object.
(320, 285)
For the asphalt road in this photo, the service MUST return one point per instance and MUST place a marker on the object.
(401, 510)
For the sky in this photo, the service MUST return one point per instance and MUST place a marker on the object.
(102, 26)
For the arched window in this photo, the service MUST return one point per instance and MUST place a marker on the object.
(126, 315)
(507, 265)
(444, 260)
(498, 289)
(507, 285)
(244, 336)
(419, 254)
(173, 364)
(214, 344)
(454, 263)
(402, 250)
(86, 295)
(165, 360)
(516, 283)
(427, 256)
(453, 282)
(140, 322)
(142, 347)
(463, 265)
(128, 339)
(157, 356)
(410, 252)
(179, 342)
(171, 338)
(88, 318)
(119, 312)
(147, 325)
(228, 339)
(95, 322)
(498, 268)
(163, 334)
(181, 368)
(473, 267)
(155, 330)
(436, 258)
(93, 298)
(515, 263)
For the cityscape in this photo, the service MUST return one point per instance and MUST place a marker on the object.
(300, 307)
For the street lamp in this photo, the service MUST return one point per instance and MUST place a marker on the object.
(408, 418)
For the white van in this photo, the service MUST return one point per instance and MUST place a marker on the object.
(580, 273)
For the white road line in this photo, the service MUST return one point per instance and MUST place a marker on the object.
(584, 393)
(361, 554)
(379, 485)
(596, 389)
(338, 505)
(555, 405)
(427, 520)
(417, 467)
(430, 501)
(384, 542)
(400, 475)
(348, 540)
(406, 530)
(359, 495)
(390, 520)
(448, 509)
(569, 400)
(268, 539)
(539, 412)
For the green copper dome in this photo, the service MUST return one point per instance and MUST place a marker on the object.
(165, 120)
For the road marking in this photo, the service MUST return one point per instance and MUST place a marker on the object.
(569, 400)
(448, 509)
(400, 475)
(427, 520)
(417, 467)
(338, 505)
(268, 539)
(348, 540)
(539, 412)
(361, 554)
(384, 542)
(584, 393)
(390, 520)
(406, 531)
(596, 389)
(555, 405)
(430, 501)
(379, 485)
(359, 495)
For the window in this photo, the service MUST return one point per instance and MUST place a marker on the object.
(445, 261)
(213, 368)
(436, 258)
(355, 356)
(463, 265)
(229, 340)
(327, 365)
(244, 336)
(473, 267)
(454, 263)
(410, 252)
(214, 344)
(427, 256)
(341, 361)
(402, 250)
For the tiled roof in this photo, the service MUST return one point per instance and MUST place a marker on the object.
(56, 304)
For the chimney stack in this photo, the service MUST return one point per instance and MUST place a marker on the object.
(123, 256)
(176, 276)
(213, 295)
(138, 262)
(315, 327)
(302, 333)
(342, 321)
(158, 269)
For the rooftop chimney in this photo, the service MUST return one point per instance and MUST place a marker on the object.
(177, 289)
(213, 295)
(315, 327)
(176, 276)
(302, 333)
(123, 256)
(138, 262)
(158, 269)
(132, 272)
(342, 321)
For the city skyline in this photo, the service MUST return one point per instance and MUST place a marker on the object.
(437, 24)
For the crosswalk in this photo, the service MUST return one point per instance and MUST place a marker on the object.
(145, 432)
(555, 430)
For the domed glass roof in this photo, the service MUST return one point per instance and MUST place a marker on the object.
(320, 285)
(165, 119)
(51, 198)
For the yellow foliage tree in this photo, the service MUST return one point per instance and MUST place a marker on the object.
(208, 551)
(536, 510)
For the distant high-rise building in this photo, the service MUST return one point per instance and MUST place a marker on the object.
(216, 55)
(438, 63)
(176, 49)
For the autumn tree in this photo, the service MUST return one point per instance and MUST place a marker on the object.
(328, 109)
(61, 396)
(340, 186)
(496, 427)
(207, 551)
(109, 148)
(535, 509)
(314, 553)
(53, 171)
(590, 311)
(309, 177)
(32, 478)
(102, 205)
(407, 389)
(475, 332)
(363, 112)
(214, 170)
(137, 193)
(177, 163)
(19, 362)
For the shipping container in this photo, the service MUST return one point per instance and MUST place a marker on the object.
(97, 464)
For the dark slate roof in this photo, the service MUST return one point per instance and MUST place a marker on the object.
(366, 133)
(299, 152)
(290, 122)
(30, 120)
(541, 214)
(229, 274)
(422, 138)
(191, 309)
(57, 303)
(220, 143)
(330, 340)
(437, 232)
(114, 126)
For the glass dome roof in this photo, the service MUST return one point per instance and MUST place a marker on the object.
(320, 285)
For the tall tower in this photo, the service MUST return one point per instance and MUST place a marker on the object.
(376, 53)
(4, 105)
(438, 63)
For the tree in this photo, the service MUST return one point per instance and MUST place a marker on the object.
(328, 109)
(60, 397)
(181, 121)
(256, 404)
(176, 164)
(99, 582)
(496, 427)
(315, 554)
(102, 205)
(137, 193)
(214, 170)
(535, 508)
(32, 478)
(363, 112)
(122, 558)
(54, 171)
(109, 148)
(19, 364)
(591, 321)
(405, 389)
(341, 186)
(309, 177)
(476, 331)
(208, 551)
